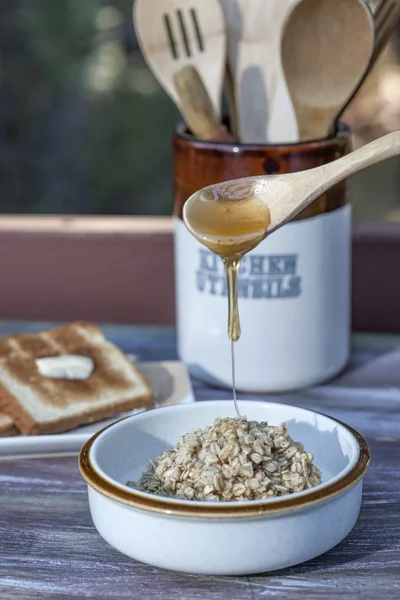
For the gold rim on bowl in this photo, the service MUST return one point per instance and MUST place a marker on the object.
(231, 510)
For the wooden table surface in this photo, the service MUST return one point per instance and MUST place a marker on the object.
(50, 549)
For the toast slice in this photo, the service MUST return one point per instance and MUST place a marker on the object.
(41, 404)
(7, 427)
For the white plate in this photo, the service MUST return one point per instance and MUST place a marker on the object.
(171, 385)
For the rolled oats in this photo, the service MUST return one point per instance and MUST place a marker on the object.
(234, 459)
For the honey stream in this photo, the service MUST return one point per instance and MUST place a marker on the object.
(229, 227)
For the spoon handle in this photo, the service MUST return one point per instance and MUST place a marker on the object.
(196, 106)
(308, 185)
(384, 147)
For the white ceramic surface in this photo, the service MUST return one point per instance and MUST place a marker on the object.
(171, 385)
(232, 538)
(294, 306)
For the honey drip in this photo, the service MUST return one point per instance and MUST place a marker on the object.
(232, 274)
(235, 402)
(230, 227)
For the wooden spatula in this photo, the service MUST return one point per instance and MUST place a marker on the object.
(176, 33)
(326, 49)
(197, 108)
(263, 105)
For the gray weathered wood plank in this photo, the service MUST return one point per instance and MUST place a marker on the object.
(50, 549)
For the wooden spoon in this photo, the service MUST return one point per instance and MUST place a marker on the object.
(197, 108)
(283, 195)
(263, 105)
(326, 49)
(386, 19)
(382, 11)
(176, 33)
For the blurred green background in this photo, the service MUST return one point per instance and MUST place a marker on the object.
(84, 126)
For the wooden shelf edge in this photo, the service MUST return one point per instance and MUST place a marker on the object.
(84, 225)
(121, 270)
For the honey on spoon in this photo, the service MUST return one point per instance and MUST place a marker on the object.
(230, 227)
(233, 217)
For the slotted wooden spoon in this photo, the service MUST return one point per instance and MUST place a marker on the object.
(175, 33)
(326, 49)
(287, 195)
(263, 106)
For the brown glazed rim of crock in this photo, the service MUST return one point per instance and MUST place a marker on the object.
(342, 133)
(157, 504)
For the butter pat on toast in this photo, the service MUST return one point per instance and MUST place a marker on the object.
(42, 404)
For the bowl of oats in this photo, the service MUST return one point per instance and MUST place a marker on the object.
(195, 488)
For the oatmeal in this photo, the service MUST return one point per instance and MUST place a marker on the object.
(234, 459)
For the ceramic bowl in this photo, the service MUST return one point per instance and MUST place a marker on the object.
(230, 538)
